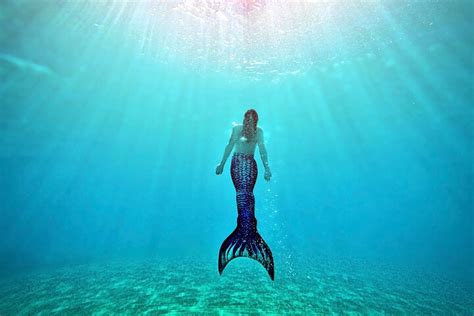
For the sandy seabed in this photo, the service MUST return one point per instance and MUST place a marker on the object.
(195, 287)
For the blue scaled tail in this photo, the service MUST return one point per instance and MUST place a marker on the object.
(245, 241)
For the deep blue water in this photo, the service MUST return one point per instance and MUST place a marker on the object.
(113, 117)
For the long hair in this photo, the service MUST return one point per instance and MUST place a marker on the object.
(250, 129)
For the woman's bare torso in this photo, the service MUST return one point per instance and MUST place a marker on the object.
(241, 145)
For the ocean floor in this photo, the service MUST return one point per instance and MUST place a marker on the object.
(187, 287)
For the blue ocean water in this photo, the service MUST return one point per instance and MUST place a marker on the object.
(114, 115)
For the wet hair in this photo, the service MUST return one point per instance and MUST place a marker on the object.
(249, 130)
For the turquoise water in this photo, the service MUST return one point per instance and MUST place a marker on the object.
(114, 115)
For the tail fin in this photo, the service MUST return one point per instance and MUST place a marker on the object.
(246, 243)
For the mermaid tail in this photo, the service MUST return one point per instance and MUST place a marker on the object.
(245, 241)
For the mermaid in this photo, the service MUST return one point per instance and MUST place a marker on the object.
(245, 241)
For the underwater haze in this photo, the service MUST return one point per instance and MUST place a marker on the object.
(114, 115)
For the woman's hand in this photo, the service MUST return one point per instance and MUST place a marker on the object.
(268, 174)
(219, 168)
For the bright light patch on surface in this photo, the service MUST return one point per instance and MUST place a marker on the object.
(255, 38)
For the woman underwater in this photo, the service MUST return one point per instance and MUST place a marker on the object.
(245, 241)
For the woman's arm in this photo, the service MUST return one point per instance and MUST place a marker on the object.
(263, 154)
(262, 149)
(230, 145)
